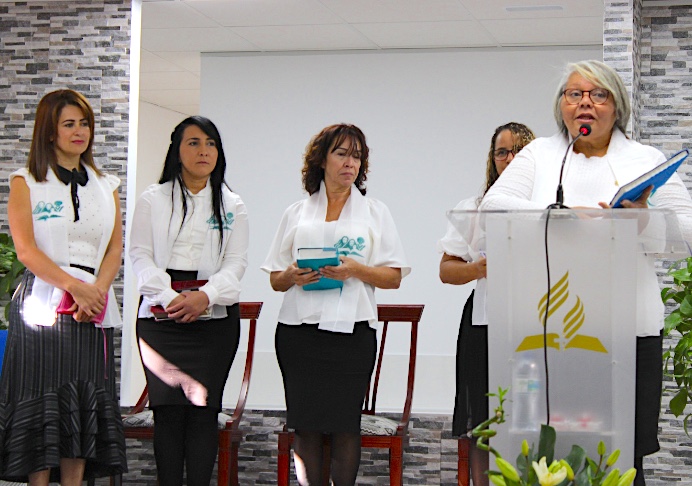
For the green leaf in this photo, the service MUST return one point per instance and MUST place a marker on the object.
(575, 458)
(546, 443)
(672, 321)
(686, 306)
(682, 274)
(17, 267)
(678, 402)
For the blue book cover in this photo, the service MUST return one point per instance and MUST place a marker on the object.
(655, 177)
(316, 258)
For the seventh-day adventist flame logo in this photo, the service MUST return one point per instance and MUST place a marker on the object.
(571, 323)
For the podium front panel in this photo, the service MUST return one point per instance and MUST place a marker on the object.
(590, 332)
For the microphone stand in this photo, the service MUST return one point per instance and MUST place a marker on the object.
(559, 198)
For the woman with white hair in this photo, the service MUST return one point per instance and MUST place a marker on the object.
(592, 93)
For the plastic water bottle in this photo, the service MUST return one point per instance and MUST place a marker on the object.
(525, 396)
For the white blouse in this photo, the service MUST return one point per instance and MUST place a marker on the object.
(454, 244)
(155, 233)
(84, 236)
(365, 231)
(188, 246)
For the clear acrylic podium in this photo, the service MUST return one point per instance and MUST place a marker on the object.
(595, 257)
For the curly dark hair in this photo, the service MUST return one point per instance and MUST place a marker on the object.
(522, 136)
(329, 139)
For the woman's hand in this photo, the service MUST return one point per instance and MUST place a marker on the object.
(380, 277)
(481, 267)
(89, 300)
(188, 306)
(302, 276)
(293, 275)
(639, 203)
(347, 269)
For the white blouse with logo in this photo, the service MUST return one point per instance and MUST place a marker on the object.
(159, 240)
(365, 232)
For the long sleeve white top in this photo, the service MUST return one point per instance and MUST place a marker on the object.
(530, 182)
(156, 228)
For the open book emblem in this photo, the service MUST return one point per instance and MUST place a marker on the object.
(572, 321)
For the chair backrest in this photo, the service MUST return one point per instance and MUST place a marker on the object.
(250, 311)
(388, 313)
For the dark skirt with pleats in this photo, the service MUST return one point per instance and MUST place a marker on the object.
(326, 375)
(58, 397)
(471, 402)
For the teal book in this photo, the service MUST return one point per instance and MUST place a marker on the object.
(316, 258)
(655, 177)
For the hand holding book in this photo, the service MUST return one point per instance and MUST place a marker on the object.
(68, 306)
(316, 259)
(654, 178)
(190, 305)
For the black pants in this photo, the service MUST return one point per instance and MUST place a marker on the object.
(185, 436)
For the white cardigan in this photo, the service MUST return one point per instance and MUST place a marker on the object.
(530, 182)
(155, 227)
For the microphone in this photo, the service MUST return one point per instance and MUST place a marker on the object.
(584, 130)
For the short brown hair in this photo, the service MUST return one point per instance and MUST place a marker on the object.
(42, 153)
(317, 150)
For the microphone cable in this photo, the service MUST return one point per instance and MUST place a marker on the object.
(584, 130)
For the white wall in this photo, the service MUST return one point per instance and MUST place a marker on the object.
(428, 117)
(155, 125)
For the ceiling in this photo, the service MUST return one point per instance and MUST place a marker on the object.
(175, 32)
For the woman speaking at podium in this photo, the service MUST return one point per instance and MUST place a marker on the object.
(591, 93)
(326, 339)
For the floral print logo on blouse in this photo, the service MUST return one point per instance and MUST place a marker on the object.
(350, 246)
(47, 210)
(227, 222)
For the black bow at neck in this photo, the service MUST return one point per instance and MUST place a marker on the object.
(73, 177)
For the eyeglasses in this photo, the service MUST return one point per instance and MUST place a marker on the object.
(598, 96)
(502, 154)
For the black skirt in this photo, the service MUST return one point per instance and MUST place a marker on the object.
(192, 360)
(326, 375)
(58, 397)
(648, 394)
(471, 402)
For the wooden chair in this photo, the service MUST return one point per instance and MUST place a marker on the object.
(376, 431)
(138, 421)
(463, 472)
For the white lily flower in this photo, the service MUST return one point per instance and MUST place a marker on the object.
(547, 478)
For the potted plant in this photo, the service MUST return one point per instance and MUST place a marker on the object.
(10, 273)
(539, 467)
(679, 322)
